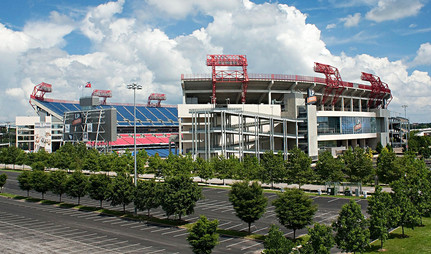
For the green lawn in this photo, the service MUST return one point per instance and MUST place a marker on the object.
(418, 240)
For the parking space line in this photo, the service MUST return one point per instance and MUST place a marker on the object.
(250, 246)
(233, 244)
(234, 226)
(181, 234)
(141, 249)
(139, 226)
(175, 231)
(332, 200)
(156, 251)
(159, 230)
(127, 246)
(109, 244)
(225, 240)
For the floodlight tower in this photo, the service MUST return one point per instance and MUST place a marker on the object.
(228, 75)
(105, 94)
(378, 90)
(333, 81)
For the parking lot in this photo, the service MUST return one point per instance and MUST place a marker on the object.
(72, 231)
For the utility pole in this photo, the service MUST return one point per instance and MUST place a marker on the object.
(405, 110)
(408, 126)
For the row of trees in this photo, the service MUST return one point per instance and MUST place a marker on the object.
(177, 195)
(354, 165)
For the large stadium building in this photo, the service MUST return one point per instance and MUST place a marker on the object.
(232, 112)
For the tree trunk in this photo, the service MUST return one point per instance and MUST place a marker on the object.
(124, 208)
(101, 206)
(79, 200)
(402, 227)
(249, 228)
(381, 244)
(60, 198)
(148, 212)
(294, 234)
(43, 195)
(28, 193)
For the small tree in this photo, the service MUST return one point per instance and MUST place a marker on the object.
(351, 229)
(40, 181)
(99, 187)
(148, 195)
(57, 182)
(294, 209)
(379, 209)
(3, 178)
(180, 195)
(321, 240)
(248, 201)
(24, 181)
(276, 243)
(328, 168)
(202, 235)
(299, 167)
(203, 169)
(123, 190)
(38, 166)
(77, 185)
(272, 168)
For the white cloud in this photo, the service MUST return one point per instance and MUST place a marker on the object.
(277, 39)
(394, 9)
(423, 56)
(331, 26)
(351, 20)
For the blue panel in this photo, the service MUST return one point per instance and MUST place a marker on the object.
(147, 113)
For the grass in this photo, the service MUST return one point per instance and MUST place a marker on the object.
(11, 170)
(418, 241)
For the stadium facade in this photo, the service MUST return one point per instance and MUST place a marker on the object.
(233, 112)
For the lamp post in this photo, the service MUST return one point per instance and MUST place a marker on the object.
(134, 87)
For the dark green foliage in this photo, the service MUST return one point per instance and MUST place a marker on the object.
(250, 168)
(148, 195)
(294, 209)
(180, 195)
(328, 168)
(276, 243)
(99, 187)
(358, 165)
(380, 210)
(157, 165)
(379, 147)
(123, 190)
(321, 240)
(24, 181)
(299, 167)
(387, 166)
(351, 229)
(203, 169)
(77, 185)
(3, 178)
(272, 168)
(90, 162)
(40, 181)
(38, 166)
(141, 161)
(225, 168)
(409, 215)
(248, 201)
(57, 182)
(202, 236)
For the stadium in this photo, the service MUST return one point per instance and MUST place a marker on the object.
(231, 112)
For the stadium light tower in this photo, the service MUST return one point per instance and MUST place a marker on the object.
(135, 87)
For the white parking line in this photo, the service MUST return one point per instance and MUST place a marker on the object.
(225, 240)
(139, 226)
(159, 230)
(156, 251)
(233, 244)
(144, 248)
(332, 200)
(181, 234)
(234, 226)
(251, 246)
(176, 231)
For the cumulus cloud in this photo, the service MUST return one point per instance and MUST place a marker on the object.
(351, 20)
(394, 9)
(423, 56)
(277, 39)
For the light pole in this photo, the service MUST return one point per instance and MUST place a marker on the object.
(134, 87)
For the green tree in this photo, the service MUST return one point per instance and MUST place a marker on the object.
(328, 168)
(24, 181)
(141, 161)
(148, 195)
(225, 168)
(409, 215)
(38, 166)
(157, 165)
(276, 243)
(359, 165)
(180, 195)
(40, 181)
(272, 169)
(91, 161)
(77, 185)
(379, 147)
(250, 168)
(294, 209)
(351, 229)
(57, 182)
(203, 169)
(387, 170)
(202, 235)
(248, 201)
(321, 240)
(299, 167)
(123, 190)
(379, 210)
(99, 187)
(3, 178)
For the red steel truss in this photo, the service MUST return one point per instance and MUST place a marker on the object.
(228, 75)
(157, 97)
(333, 81)
(105, 94)
(40, 90)
(378, 90)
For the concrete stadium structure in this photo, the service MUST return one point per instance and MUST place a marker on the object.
(236, 113)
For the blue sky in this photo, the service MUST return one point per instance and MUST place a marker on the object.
(152, 42)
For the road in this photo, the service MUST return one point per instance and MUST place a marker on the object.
(138, 235)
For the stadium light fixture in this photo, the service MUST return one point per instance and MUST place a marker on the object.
(135, 87)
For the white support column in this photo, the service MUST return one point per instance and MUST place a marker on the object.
(351, 103)
(342, 103)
